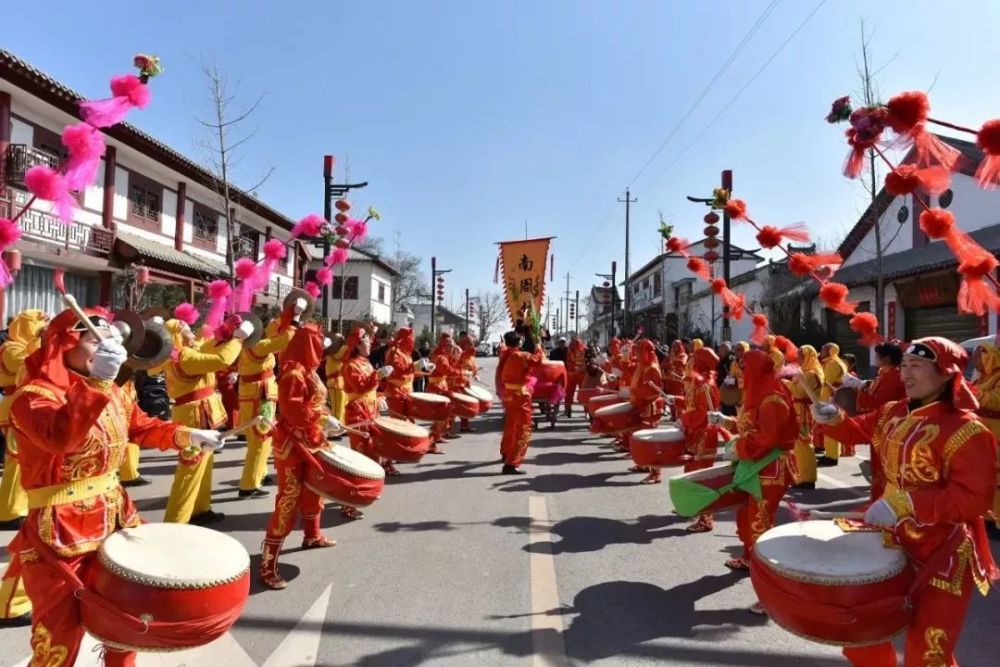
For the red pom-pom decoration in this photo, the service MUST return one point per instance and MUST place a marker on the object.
(906, 110)
(907, 178)
(988, 138)
(771, 237)
(801, 264)
(834, 295)
(736, 209)
(699, 267)
(975, 296)
(866, 326)
(718, 285)
(678, 245)
(937, 223)
(760, 327)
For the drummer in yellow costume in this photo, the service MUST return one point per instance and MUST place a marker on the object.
(258, 393)
(834, 370)
(986, 360)
(808, 383)
(24, 338)
(334, 380)
(191, 386)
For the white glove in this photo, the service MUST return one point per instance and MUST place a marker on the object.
(729, 381)
(156, 319)
(881, 514)
(108, 359)
(384, 372)
(333, 426)
(209, 441)
(300, 306)
(825, 413)
(852, 382)
(670, 399)
(716, 418)
(233, 378)
(117, 334)
(327, 342)
(244, 331)
(625, 392)
(429, 366)
(383, 405)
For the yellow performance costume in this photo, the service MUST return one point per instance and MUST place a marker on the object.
(987, 389)
(196, 403)
(129, 470)
(812, 376)
(24, 338)
(258, 393)
(335, 382)
(834, 370)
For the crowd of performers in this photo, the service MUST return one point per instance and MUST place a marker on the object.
(73, 428)
(934, 475)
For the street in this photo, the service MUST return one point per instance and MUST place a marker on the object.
(573, 563)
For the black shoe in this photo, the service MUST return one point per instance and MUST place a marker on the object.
(804, 485)
(510, 470)
(268, 480)
(827, 462)
(22, 621)
(13, 524)
(138, 481)
(254, 493)
(207, 518)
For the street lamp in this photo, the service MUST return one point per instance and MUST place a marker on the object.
(437, 291)
(332, 191)
(727, 185)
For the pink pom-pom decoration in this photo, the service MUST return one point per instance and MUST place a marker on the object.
(187, 313)
(127, 92)
(336, 257)
(356, 230)
(313, 289)
(324, 276)
(86, 146)
(10, 234)
(246, 271)
(275, 250)
(48, 184)
(218, 293)
(311, 225)
(246, 268)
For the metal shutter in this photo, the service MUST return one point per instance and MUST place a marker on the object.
(841, 333)
(34, 288)
(944, 321)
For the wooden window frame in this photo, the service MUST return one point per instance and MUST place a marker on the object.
(345, 283)
(145, 202)
(199, 213)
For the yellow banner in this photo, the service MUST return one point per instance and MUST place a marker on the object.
(523, 264)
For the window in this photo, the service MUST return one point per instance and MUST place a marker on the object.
(381, 293)
(348, 287)
(657, 284)
(144, 204)
(944, 201)
(645, 283)
(206, 226)
(247, 242)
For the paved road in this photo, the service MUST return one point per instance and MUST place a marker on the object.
(572, 564)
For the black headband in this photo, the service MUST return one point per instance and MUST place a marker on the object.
(922, 351)
(96, 320)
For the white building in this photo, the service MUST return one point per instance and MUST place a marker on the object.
(365, 282)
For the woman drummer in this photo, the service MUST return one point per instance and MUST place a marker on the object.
(644, 394)
(438, 384)
(361, 382)
(303, 422)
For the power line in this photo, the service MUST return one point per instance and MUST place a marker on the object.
(711, 84)
(735, 97)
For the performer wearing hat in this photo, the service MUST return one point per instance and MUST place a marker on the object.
(441, 358)
(644, 394)
(986, 360)
(461, 376)
(72, 425)
(834, 370)
(399, 385)
(468, 370)
(576, 370)
(191, 381)
(673, 382)
(258, 391)
(335, 358)
(304, 420)
(700, 439)
(516, 398)
(940, 469)
(808, 383)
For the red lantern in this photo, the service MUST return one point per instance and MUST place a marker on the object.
(711, 217)
(711, 256)
(342, 243)
(343, 205)
(711, 243)
(441, 280)
(13, 260)
(142, 276)
(341, 230)
(340, 218)
(711, 231)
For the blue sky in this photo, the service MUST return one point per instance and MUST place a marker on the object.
(469, 118)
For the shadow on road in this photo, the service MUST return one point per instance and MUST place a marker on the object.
(559, 483)
(590, 533)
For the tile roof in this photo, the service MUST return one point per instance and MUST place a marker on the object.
(151, 250)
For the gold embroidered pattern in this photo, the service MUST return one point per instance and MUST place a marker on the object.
(44, 654)
(962, 557)
(761, 521)
(922, 467)
(287, 503)
(958, 439)
(900, 503)
(934, 639)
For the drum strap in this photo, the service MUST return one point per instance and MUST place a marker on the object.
(72, 492)
(690, 497)
(194, 396)
(257, 377)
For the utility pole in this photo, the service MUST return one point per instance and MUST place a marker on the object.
(727, 183)
(566, 311)
(614, 293)
(434, 263)
(466, 309)
(628, 201)
(576, 321)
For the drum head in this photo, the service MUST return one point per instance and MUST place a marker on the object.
(659, 435)
(819, 551)
(174, 555)
(479, 393)
(402, 427)
(615, 409)
(430, 398)
(464, 398)
(352, 462)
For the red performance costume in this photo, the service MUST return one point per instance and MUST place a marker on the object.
(399, 385)
(673, 376)
(361, 384)
(576, 371)
(517, 405)
(940, 471)
(700, 439)
(438, 384)
(72, 433)
(766, 424)
(303, 416)
(644, 395)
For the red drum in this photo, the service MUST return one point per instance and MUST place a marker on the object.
(484, 397)
(398, 404)
(657, 446)
(715, 477)
(585, 395)
(464, 405)
(553, 372)
(348, 477)
(603, 401)
(432, 407)
(166, 573)
(831, 586)
(402, 440)
(614, 419)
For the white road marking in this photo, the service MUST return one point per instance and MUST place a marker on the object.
(301, 646)
(843, 485)
(546, 623)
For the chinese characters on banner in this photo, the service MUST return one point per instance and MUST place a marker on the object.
(523, 269)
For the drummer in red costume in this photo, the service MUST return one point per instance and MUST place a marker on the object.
(576, 370)
(467, 370)
(940, 470)
(437, 383)
(361, 382)
(399, 385)
(517, 400)
(645, 395)
(304, 421)
(673, 379)
(73, 425)
(766, 428)
(701, 439)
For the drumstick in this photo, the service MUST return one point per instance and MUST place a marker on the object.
(233, 432)
(70, 302)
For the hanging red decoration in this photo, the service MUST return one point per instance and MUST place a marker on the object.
(711, 218)
(988, 139)
(736, 209)
(907, 116)
(907, 178)
(975, 296)
(711, 231)
(801, 264)
(342, 205)
(771, 237)
(711, 243)
(866, 325)
(711, 256)
(760, 328)
(834, 295)
(699, 267)
(678, 245)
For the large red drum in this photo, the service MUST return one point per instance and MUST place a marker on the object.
(657, 446)
(484, 397)
(464, 405)
(548, 371)
(831, 586)
(166, 573)
(615, 419)
(715, 477)
(602, 401)
(400, 440)
(347, 477)
(584, 396)
(432, 407)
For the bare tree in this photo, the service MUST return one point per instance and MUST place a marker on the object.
(491, 311)
(223, 149)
